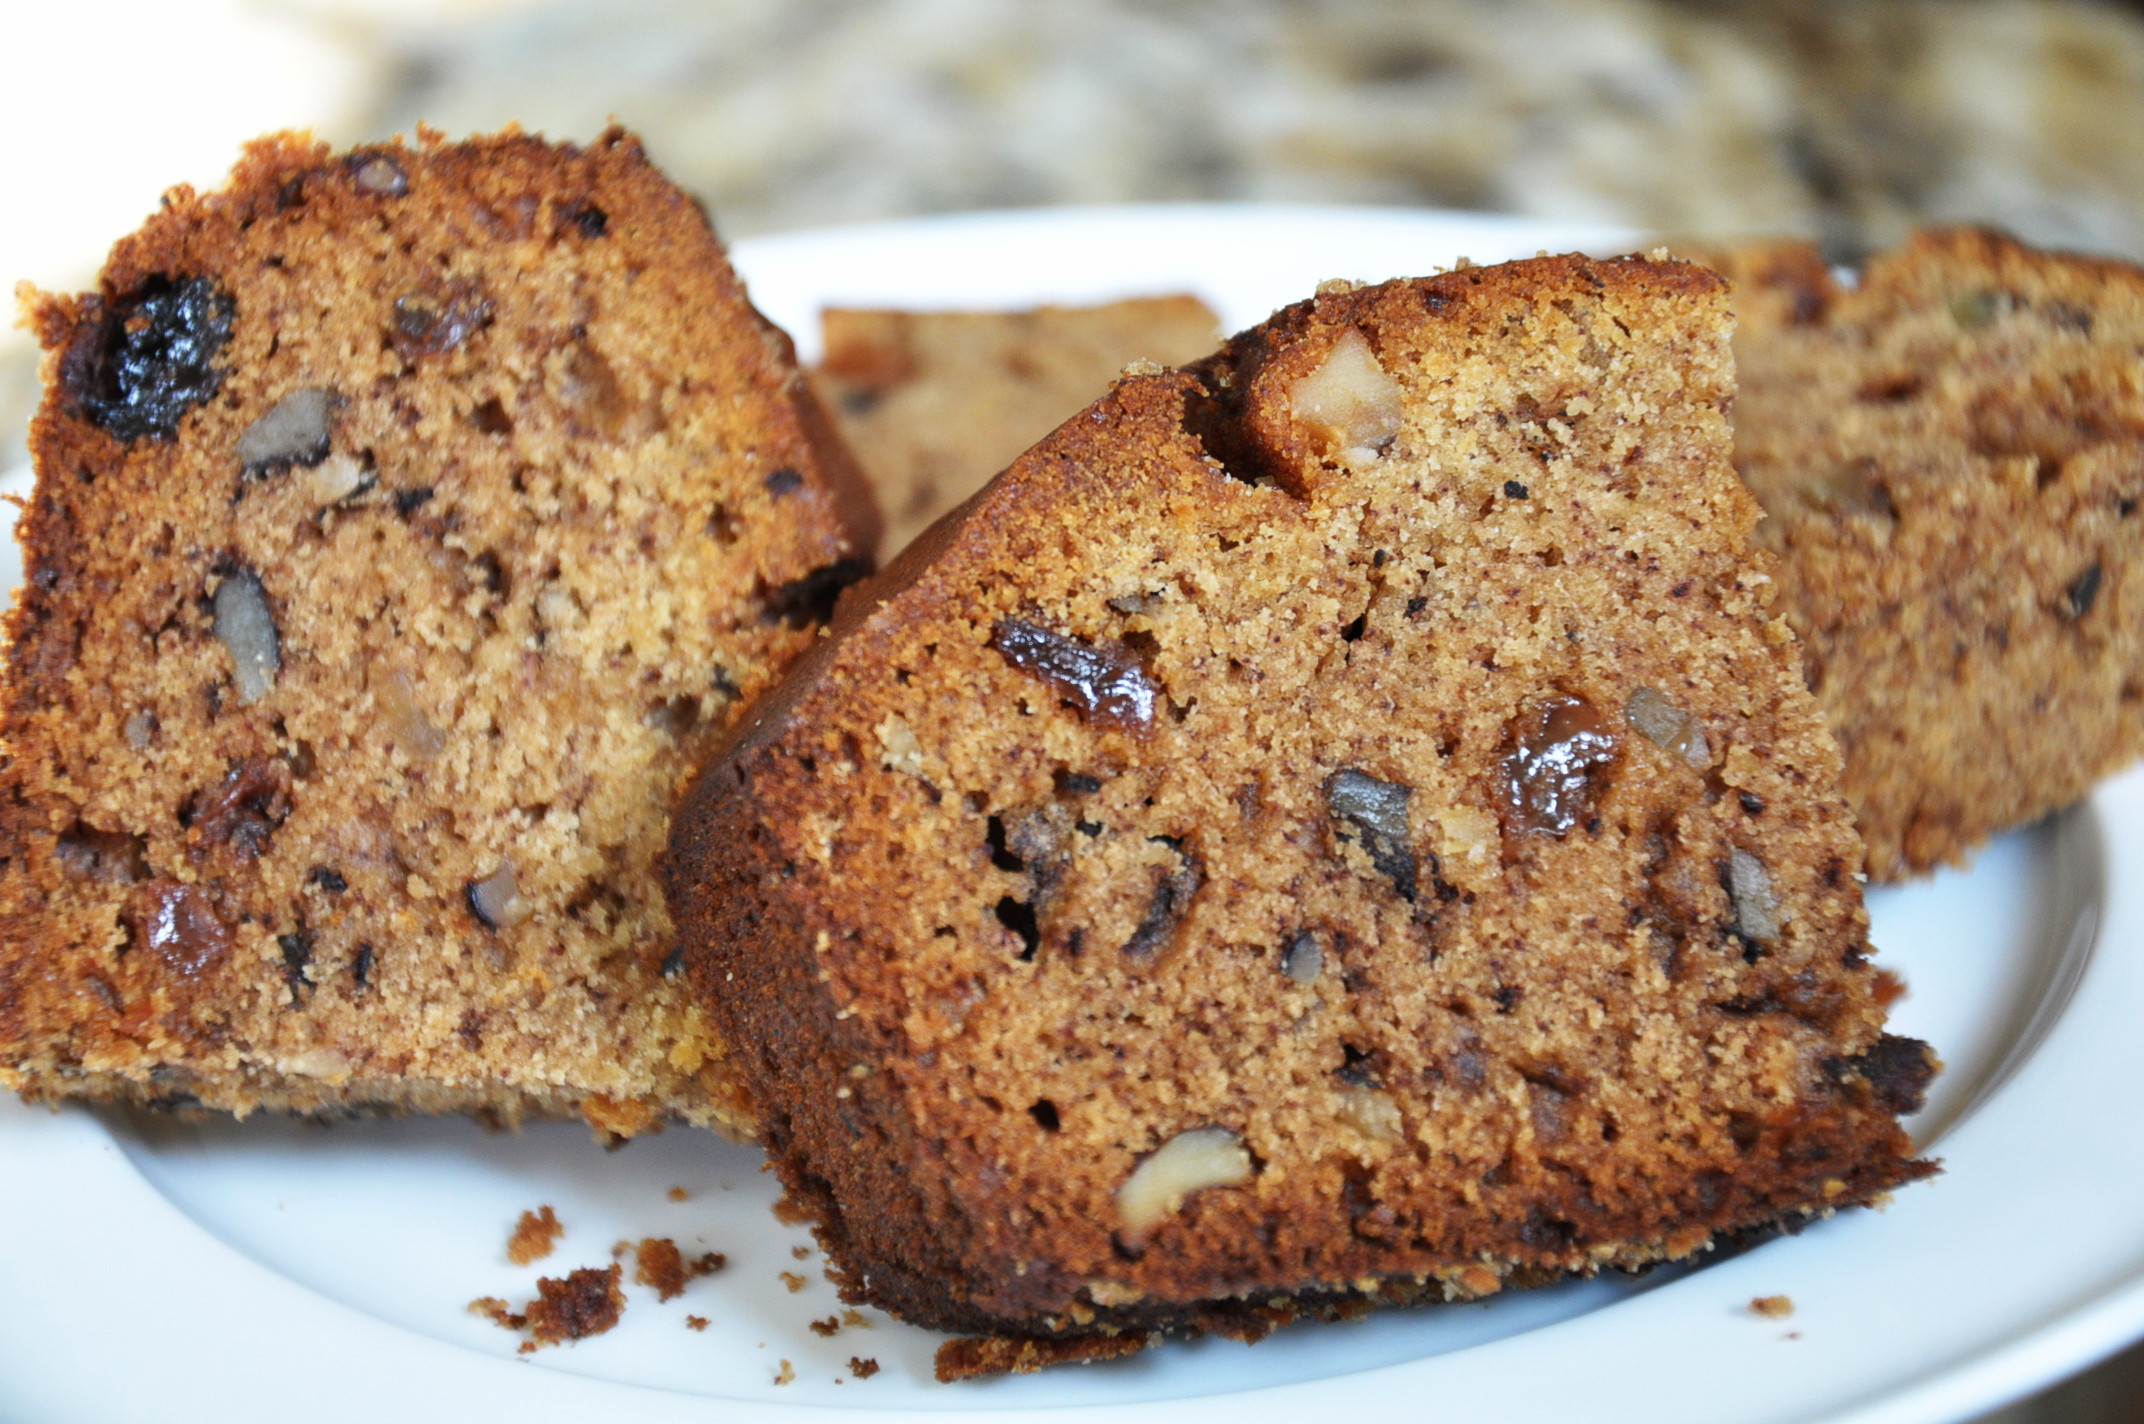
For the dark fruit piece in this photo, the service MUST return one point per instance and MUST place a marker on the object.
(152, 357)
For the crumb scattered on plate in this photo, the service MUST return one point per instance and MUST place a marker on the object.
(827, 1328)
(799, 1253)
(1772, 1307)
(855, 1319)
(794, 1281)
(535, 1237)
(679, 1194)
(658, 1263)
(789, 1372)
(695, 1322)
(586, 1302)
(862, 1367)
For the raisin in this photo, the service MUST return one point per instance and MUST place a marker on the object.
(426, 325)
(329, 879)
(180, 928)
(1378, 811)
(1558, 757)
(361, 967)
(800, 603)
(1514, 490)
(1104, 683)
(1895, 1071)
(783, 481)
(149, 358)
(587, 219)
(242, 813)
(409, 501)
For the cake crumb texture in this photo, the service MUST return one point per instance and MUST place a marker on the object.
(407, 523)
(1333, 827)
(535, 1237)
(1951, 456)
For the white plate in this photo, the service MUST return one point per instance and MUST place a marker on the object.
(269, 1270)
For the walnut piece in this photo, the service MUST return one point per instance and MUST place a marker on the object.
(1188, 1162)
(1349, 403)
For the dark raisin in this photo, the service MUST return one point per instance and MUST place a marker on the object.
(1078, 783)
(427, 325)
(1171, 901)
(1514, 490)
(1416, 605)
(361, 967)
(800, 603)
(1044, 1112)
(1105, 683)
(1378, 811)
(2083, 592)
(297, 950)
(180, 928)
(1356, 1068)
(1557, 759)
(1751, 802)
(674, 963)
(409, 501)
(329, 879)
(1895, 1072)
(242, 813)
(783, 481)
(148, 358)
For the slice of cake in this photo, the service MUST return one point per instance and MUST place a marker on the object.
(407, 523)
(1334, 826)
(1951, 454)
(935, 403)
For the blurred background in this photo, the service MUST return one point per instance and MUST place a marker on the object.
(1846, 120)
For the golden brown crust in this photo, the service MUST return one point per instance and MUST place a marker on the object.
(1952, 455)
(997, 936)
(542, 500)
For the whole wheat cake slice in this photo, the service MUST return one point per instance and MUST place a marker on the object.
(1951, 454)
(407, 522)
(1333, 826)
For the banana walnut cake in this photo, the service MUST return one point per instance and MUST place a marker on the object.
(408, 523)
(1330, 827)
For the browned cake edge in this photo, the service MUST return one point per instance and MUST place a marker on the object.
(753, 929)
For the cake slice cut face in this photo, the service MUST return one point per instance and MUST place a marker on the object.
(1332, 826)
(408, 523)
(1952, 458)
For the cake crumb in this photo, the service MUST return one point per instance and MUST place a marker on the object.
(497, 1312)
(863, 1367)
(679, 1194)
(798, 1253)
(535, 1237)
(794, 1281)
(1772, 1307)
(828, 1328)
(619, 1247)
(788, 1373)
(658, 1263)
(855, 1319)
(695, 1322)
(586, 1302)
